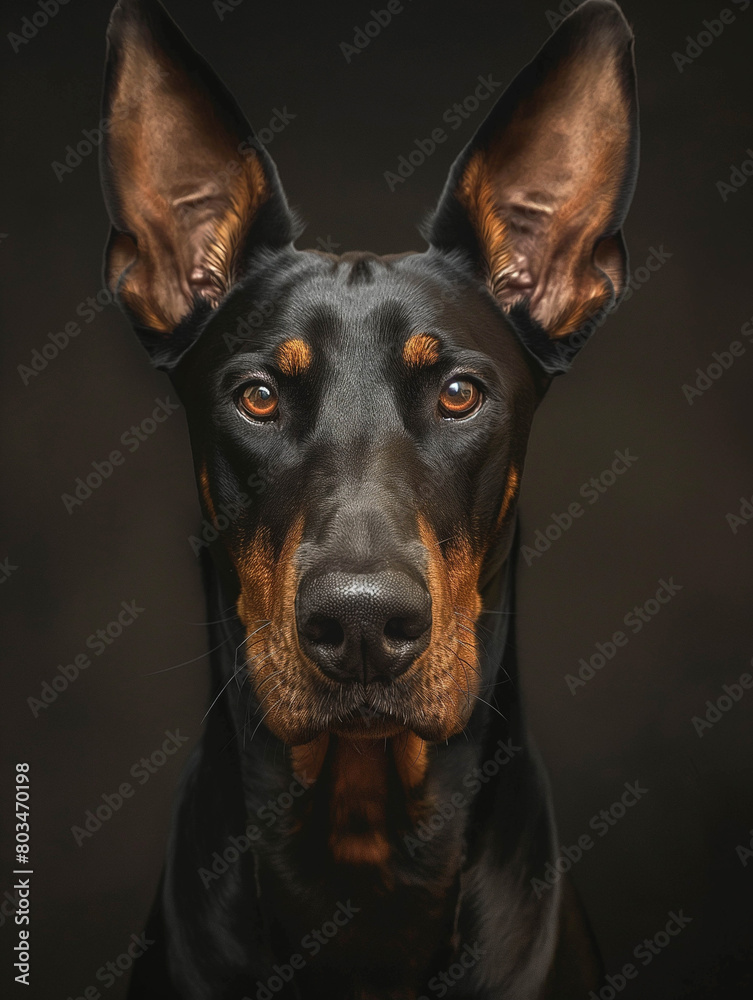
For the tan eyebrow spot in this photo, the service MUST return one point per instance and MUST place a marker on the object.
(421, 349)
(293, 356)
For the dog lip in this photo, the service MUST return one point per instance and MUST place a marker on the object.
(372, 724)
(360, 721)
(373, 728)
(361, 716)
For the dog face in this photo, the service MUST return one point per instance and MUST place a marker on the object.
(384, 407)
(359, 423)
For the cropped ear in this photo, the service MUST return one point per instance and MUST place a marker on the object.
(539, 196)
(190, 191)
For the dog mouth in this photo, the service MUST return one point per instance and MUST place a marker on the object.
(369, 715)
(368, 726)
(433, 699)
(376, 711)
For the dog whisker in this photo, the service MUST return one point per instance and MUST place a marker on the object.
(465, 662)
(185, 663)
(219, 695)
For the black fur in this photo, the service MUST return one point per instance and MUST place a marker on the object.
(360, 434)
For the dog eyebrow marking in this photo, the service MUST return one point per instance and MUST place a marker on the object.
(294, 356)
(421, 350)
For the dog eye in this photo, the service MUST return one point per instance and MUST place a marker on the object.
(258, 400)
(459, 398)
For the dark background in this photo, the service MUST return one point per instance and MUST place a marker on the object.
(665, 517)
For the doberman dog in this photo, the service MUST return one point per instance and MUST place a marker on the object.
(365, 816)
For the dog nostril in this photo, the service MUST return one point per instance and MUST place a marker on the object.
(324, 631)
(404, 629)
(363, 626)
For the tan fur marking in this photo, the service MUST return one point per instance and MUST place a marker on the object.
(513, 481)
(205, 494)
(442, 683)
(266, 607)
(222, 253)
(447, 671)
(476, 193)
(412, 759)
(541, 195)
(441, 686)
(308, 758)
(358, 830)
(293, 356)
(187, 197)
(421, 350)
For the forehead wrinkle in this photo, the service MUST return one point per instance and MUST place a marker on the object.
(352, 319)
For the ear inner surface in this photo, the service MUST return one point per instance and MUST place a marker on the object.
(546, 182)
(184, 176)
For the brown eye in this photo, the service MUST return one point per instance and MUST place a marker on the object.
(259, 400)
(459, 398)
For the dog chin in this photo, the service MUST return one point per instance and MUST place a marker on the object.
(364, 729)
(362, 714)
(357, 727)
(370, 726)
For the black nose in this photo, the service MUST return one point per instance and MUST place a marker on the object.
(364, 626)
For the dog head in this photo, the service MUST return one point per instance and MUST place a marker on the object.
(359, 423)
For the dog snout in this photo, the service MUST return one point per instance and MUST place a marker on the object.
(363, 626)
